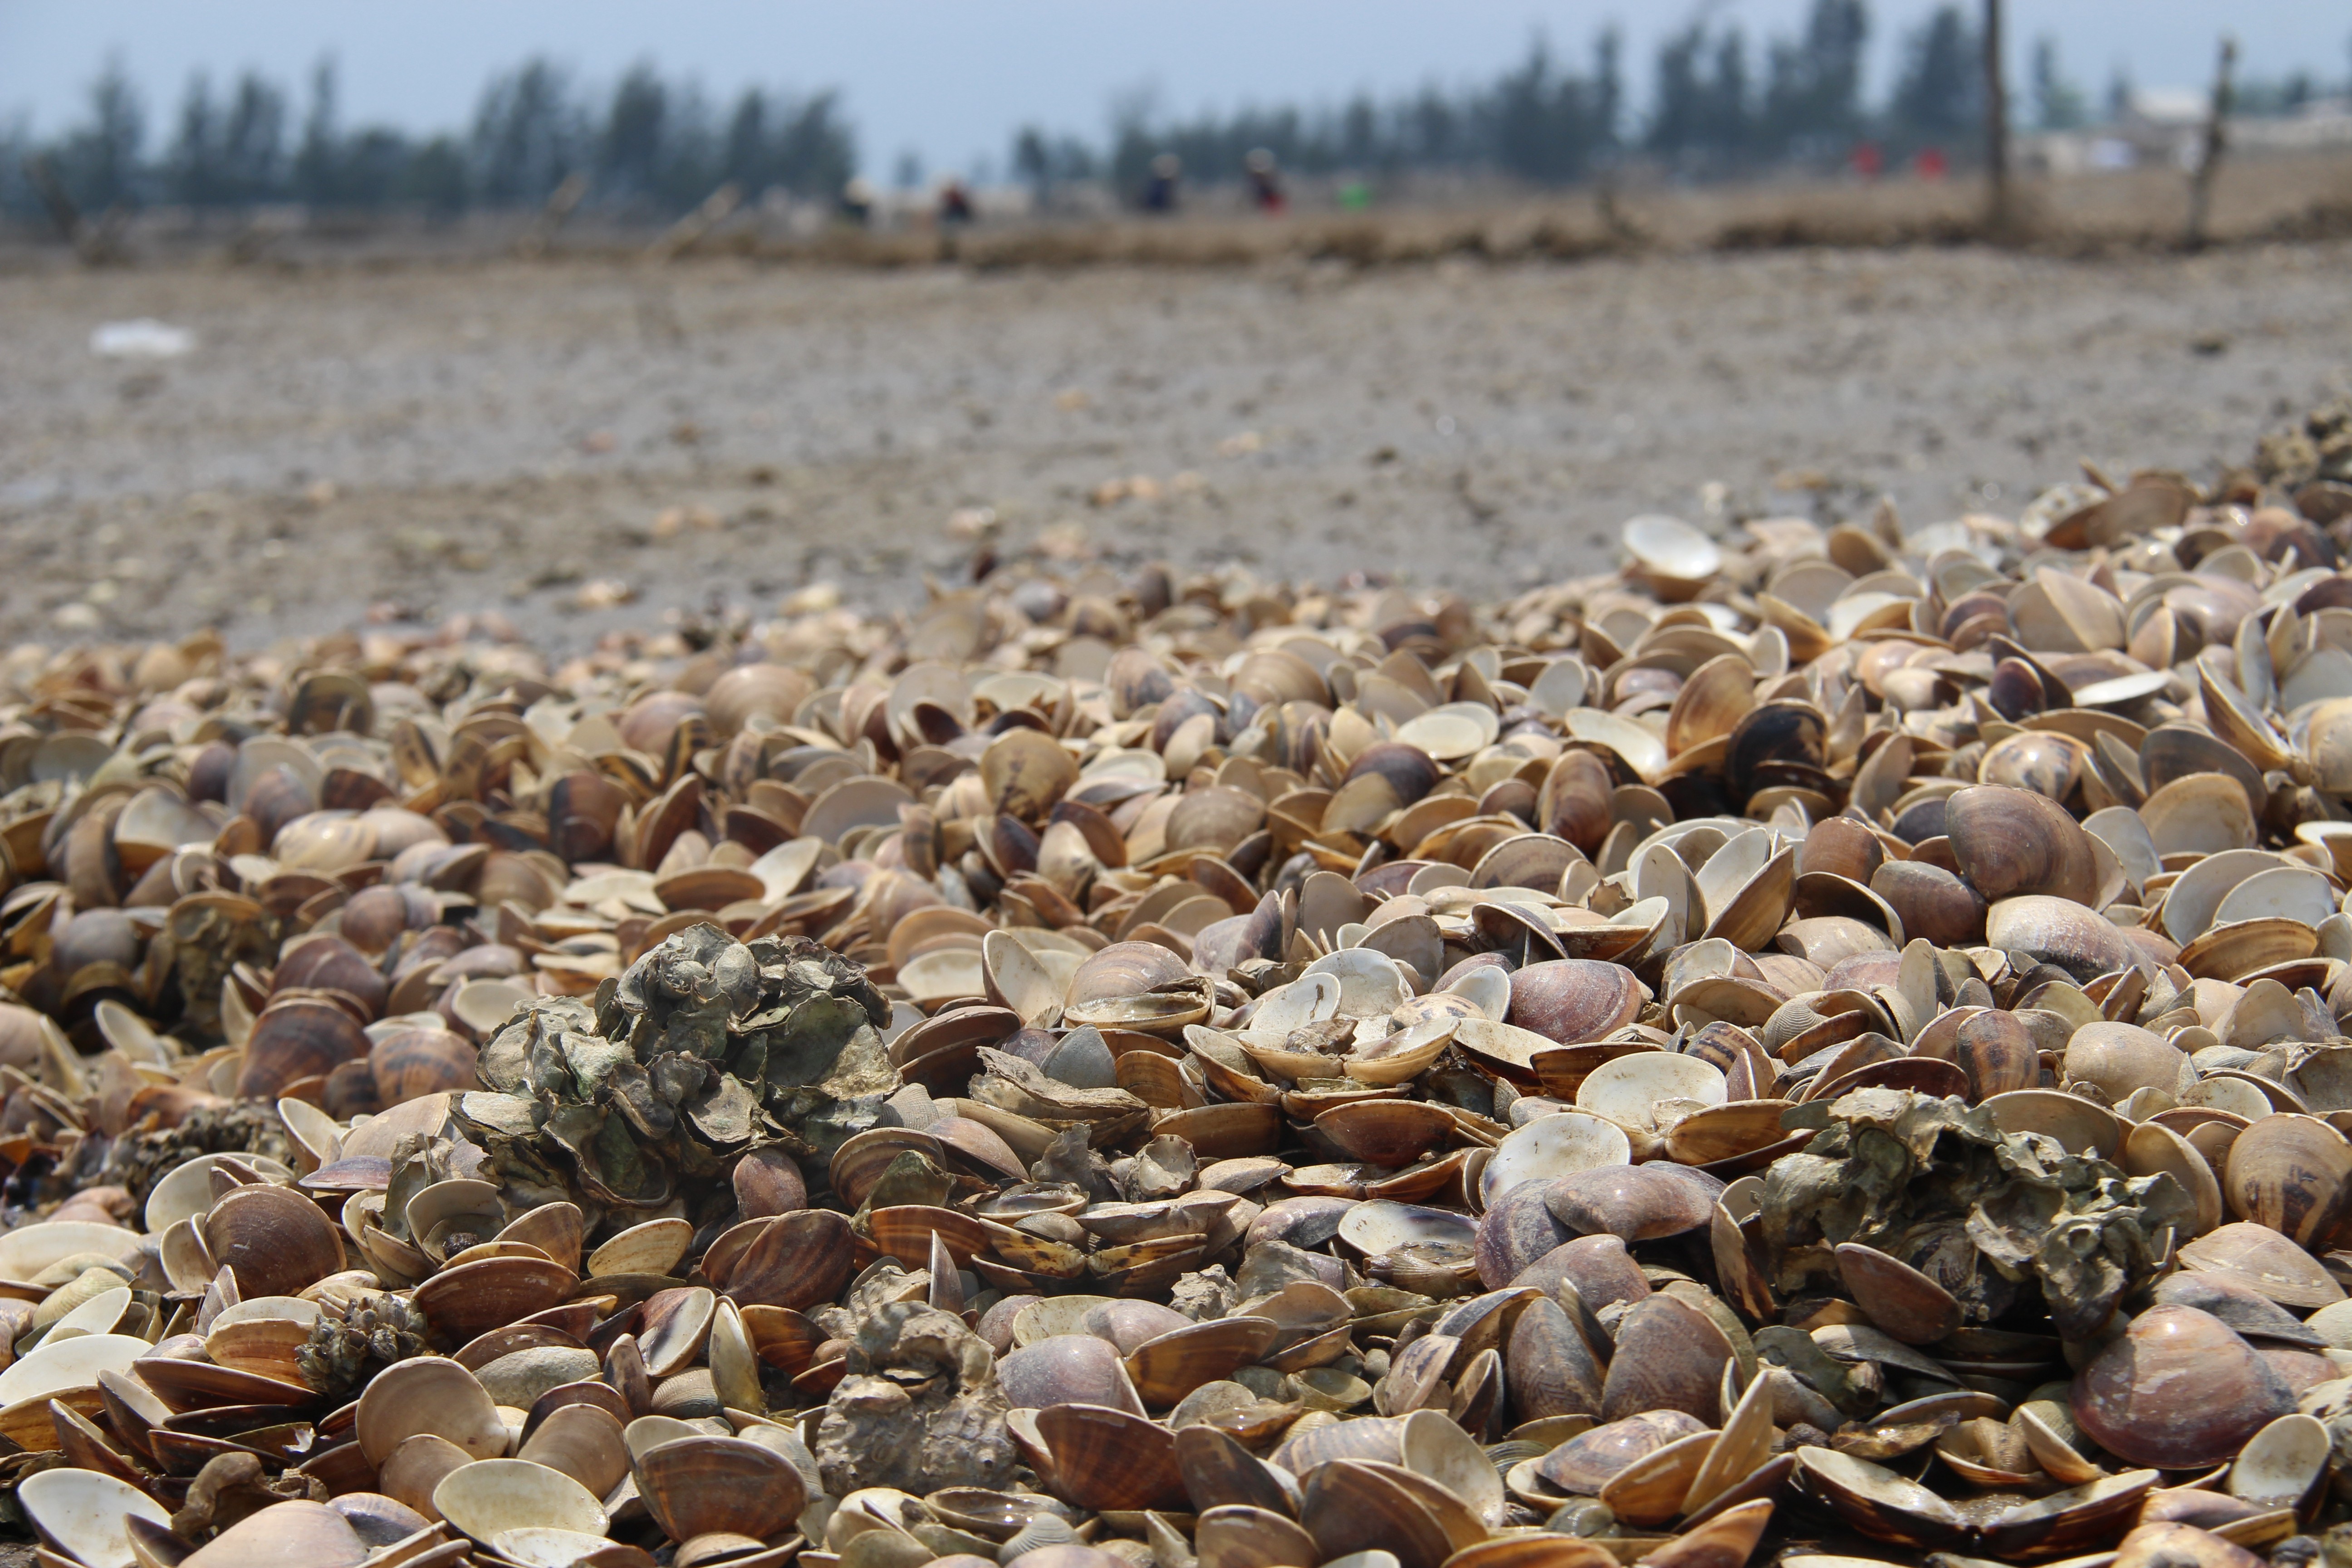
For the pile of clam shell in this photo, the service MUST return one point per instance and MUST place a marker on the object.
(1822, 1046)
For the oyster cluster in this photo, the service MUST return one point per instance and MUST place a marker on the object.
(1821, 1048)
(705, 1045)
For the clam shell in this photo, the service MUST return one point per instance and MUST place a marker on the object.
(489, 1496)
(429, 1395)
(2201, 814)
(1737, 1454)
(2150, 1147)
(61, 1365)
(1586, 1463)
(705, 1485)
(31, 1249)
(2291, 1174)
(1518, 1229)
(1107, 1459)
(1571, 1000)
(1599, 1267)
(655, 1247)
(2164, 1542)
(1348, 1507)
(2177, 1390)
(1649, 1492)
(1553, 1146)
(1638, 1203)
(1995, 1052)
(1219, 1472)
(675, 1326)
(1380, 1227)
(584, 1443)
(1554, 1370)
(1636, 1090)
(1392, 1132)
(2086, 1514)
(1669, 1355)
(1240, 1536)
(474, 1298)
(2061, 932)
(1167, 1368)
(1899, 1298)
(2014, 843)
(1067, 1369)
(553, 1228)
(2080, 1126)
(1669, 548)
(1878, 1502)
(799, 1260)
(84, 1515)
(2282, 1464)
(186, 1193)
(2264, 1262)
(2119, 1059)
(275, 1240)
(296, 1534)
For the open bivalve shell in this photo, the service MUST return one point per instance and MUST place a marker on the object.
(489, 1496)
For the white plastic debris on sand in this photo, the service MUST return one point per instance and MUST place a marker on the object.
(145, 338)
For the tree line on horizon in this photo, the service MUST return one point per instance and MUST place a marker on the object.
(650, 146)
(648, 143)
(1716, 110)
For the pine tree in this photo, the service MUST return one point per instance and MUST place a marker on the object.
(1727, 125)
(100, 161)
(1940, 96)
(628, 153)
(747, 159)
(193, 174)
(817, 152)
(526, 137)
(317, 176)
(2058, 103)
(1813, 93)
(1678, 109)
(252, 142)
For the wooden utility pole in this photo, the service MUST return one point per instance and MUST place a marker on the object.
(95, 243)
(2217, 136)
(63, 213)
(1996, 93)
(559, 205)
(689, 230)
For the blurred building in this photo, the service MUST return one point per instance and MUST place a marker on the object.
(2161, 127)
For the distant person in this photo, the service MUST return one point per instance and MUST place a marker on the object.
(1160, 190)
(857, 201)
(955, 205)
(1930, 163)
(1266, 183)
(1866, 161)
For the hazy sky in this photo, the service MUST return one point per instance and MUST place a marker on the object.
(952, 79)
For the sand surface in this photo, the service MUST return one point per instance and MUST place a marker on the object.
(414, 443)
